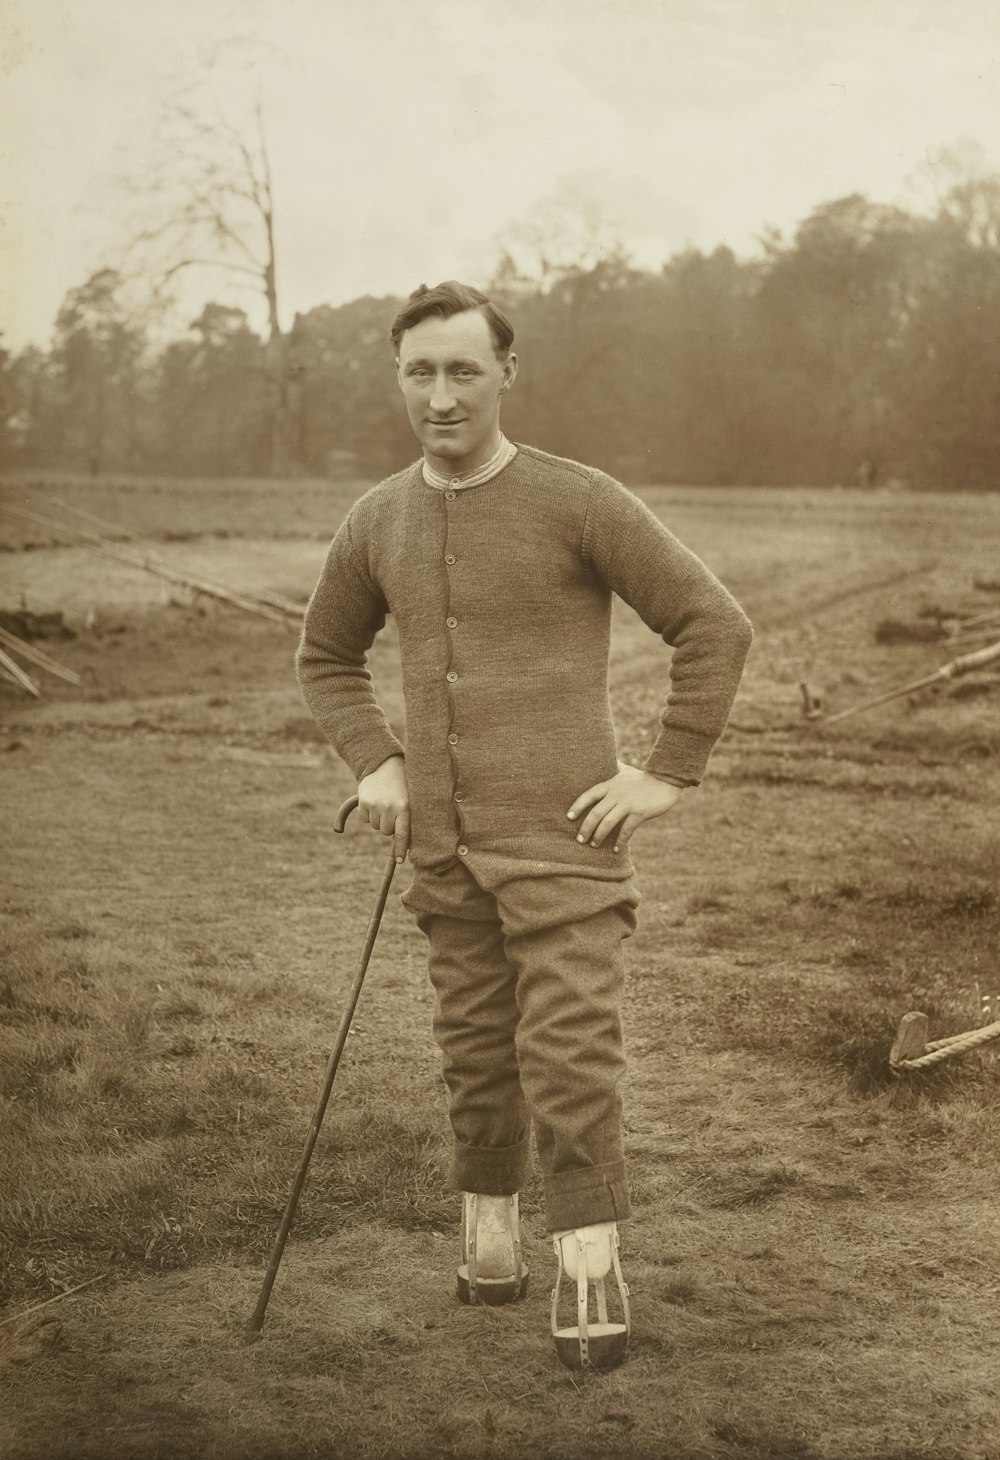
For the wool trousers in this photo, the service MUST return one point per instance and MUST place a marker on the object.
(528, 982)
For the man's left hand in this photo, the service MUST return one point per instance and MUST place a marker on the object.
(625, 801)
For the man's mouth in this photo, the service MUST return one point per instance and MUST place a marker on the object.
(441, 425)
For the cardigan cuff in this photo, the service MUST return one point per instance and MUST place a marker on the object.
(683, 781)
(680, 754)
(366, 750)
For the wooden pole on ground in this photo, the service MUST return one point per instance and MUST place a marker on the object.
(17, 674)
(273, 600)
(37, 656)
(67, 1293)
(962, 665)
(98, 545)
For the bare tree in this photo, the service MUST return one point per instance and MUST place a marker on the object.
(561, 237)
(963, 185)
(214, 195)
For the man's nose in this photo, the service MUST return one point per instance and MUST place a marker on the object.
(442, 396)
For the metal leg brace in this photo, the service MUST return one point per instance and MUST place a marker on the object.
(604, 1344)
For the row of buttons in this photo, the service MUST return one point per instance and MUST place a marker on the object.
(450, 495)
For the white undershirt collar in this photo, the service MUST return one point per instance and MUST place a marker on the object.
(501, 458)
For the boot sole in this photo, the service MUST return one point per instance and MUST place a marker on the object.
(493, 1291)
(607, 1346)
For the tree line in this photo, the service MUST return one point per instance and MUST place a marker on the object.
(863, 350)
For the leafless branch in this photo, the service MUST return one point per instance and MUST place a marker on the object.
(211, 264)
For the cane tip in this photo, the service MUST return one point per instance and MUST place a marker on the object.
(252, 1333)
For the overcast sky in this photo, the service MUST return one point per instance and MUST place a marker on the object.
(408, 136)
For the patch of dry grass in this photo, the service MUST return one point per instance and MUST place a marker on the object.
(150, 1090)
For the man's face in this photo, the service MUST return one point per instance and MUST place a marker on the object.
(452, 382)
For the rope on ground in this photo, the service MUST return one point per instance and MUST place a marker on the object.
(913, 1051)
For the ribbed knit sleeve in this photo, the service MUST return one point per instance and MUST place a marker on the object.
(681, 600)
(345, 613)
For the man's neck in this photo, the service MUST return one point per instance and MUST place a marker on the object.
(448, 467)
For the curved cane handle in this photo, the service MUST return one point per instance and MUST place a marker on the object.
(340, 820)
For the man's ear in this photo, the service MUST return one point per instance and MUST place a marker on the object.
(399, 378)
(509, 372)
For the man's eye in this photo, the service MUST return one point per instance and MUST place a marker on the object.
(465, 374)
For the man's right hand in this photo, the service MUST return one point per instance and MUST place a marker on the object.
(384, 802)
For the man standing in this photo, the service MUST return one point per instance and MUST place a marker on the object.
(499, 563)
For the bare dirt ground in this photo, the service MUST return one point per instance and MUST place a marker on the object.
(814, 1255)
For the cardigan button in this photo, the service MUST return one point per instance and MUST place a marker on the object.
(449, 558)
(450, 496)
(452, 623)
(452, 739)
(463, 851)
(451, 676)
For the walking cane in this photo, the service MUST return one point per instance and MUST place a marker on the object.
(254, 1325)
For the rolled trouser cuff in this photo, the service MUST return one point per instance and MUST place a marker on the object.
(586, 1196)
(490, 1170)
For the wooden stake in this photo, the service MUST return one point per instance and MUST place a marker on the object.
(911, 1038)
(812, 703)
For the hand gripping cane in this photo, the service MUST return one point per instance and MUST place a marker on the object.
(255, 1324)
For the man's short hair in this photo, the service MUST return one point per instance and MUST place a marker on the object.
(447, 299)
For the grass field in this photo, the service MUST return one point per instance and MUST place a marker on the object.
(814, 1254)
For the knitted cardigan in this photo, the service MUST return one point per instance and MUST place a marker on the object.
(502, 598)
